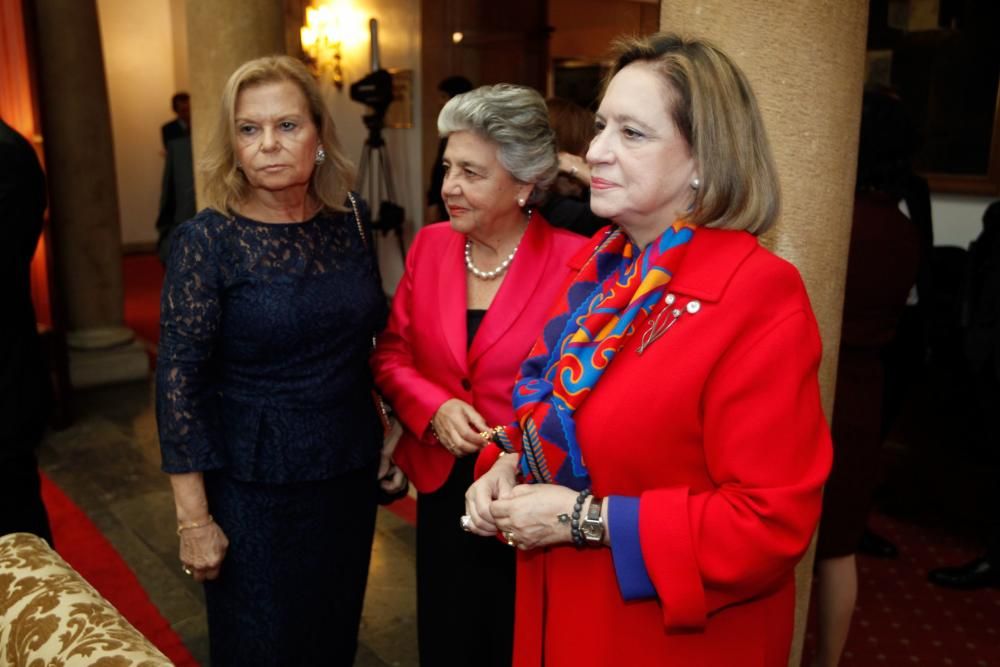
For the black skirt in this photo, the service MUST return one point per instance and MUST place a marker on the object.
(292, 584)
(465, 583)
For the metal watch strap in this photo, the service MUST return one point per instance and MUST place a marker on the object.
(593, 525)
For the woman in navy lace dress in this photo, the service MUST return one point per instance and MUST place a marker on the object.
(267, 425)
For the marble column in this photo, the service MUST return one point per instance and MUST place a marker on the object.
(805, 61)
(222, 35)
(83, 197)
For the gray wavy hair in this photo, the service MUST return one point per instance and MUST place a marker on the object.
(516, 119)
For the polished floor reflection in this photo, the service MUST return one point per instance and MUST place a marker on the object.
(107, 462)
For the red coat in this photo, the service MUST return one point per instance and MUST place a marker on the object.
(420, 360)
(718, 428)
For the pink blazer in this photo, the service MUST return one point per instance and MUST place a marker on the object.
(420, 360)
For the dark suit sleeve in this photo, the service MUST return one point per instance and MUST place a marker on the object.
(24, 388)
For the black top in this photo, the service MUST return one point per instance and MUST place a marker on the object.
(571, 213)
(265, 335)
(473, 318)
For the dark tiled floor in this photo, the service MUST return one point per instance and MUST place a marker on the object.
(108, 463)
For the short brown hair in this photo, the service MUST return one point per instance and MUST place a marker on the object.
(573, 125)
(715, 110)
(225, 185)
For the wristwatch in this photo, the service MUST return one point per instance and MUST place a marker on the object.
(592, 526)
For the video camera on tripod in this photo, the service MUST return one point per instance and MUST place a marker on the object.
(375, 182)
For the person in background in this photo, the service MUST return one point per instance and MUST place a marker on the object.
(881, 269)
(447, 89)
(474, 296)
(982, 352)
(177, 196)
(181, 125)
(25, 391)
(666, 470)
(264, 402)
(567, 204)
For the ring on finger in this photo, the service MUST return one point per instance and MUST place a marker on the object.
(466, 522)
(187, 570)
(509, 536)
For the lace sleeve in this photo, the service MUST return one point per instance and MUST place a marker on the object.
(186, 410)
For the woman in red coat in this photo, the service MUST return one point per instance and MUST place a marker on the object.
(665, 471)
(473, 299)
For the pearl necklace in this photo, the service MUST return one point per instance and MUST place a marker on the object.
(487, 275)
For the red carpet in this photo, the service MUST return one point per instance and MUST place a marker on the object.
(83, 546)
(143, 278)
(902, 619)
(406, 509)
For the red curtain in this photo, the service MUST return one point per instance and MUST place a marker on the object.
(17, 108)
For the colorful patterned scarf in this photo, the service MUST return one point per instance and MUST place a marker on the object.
(614, 291)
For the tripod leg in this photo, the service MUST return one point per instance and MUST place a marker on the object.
(363, 170)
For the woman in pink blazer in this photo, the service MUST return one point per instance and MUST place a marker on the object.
(473, 299)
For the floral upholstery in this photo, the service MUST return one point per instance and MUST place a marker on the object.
(51, 617)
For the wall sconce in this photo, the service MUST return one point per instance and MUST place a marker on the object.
(323, 38)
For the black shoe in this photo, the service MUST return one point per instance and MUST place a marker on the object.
(875, 545)
(979, 573)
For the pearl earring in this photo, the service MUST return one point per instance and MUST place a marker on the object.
(520, 202)
(320, 155)
(695, 183)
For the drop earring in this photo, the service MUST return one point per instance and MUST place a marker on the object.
(695, 183)
(320, 155)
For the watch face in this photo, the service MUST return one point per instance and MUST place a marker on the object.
(591, 530)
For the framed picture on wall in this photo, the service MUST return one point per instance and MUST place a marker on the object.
(944, 62)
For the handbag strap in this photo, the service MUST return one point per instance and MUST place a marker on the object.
(357, 218)
(383, 409)
(364, 240)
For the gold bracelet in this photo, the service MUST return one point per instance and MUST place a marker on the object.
(181, 527)
(492, 435)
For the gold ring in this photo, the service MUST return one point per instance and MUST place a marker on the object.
(509, 536)
(187, 570)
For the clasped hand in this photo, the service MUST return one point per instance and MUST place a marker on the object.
(458, 426)
(527, 513)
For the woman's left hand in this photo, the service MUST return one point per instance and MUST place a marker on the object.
(394, 480)
(529, 515)
(389, 442)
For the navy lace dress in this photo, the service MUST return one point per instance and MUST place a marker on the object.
(263, 385)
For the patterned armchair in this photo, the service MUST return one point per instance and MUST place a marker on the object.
(51, 617)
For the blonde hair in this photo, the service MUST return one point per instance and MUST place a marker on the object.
(715, 110)
(226, 186)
